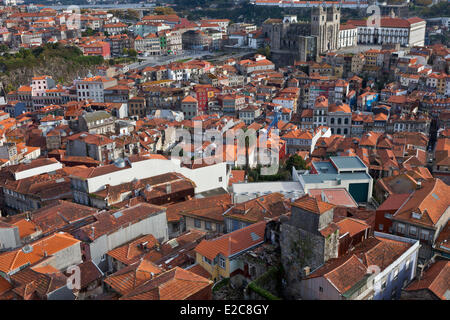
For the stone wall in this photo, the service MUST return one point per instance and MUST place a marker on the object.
(299, 249)
(265, 287)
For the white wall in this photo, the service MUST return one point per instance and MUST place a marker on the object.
(36, 171)
(155, 225)
(205, 178)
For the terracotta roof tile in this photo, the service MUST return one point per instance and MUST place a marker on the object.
(436, 279)
(175, 284)
(234, 242)
(312, 204)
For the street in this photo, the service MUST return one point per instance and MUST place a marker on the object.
(187, 54)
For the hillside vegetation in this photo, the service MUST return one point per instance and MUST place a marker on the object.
(63, 63)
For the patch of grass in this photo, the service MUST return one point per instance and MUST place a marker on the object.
(183, 60)
(222, 283)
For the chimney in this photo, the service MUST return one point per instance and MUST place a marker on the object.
(168, 188)
(93, 232)
(306, 270)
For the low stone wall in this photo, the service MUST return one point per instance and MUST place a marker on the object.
(266, 287)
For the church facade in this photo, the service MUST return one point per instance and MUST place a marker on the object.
(298, 40)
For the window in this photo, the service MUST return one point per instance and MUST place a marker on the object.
(383, 285)
(220, 179)
(424, 234)
(208, 225)
(205, 259)
(380, 227)
(413, 231)
(395, 276)
(401, 228)
(407, 263)
(197, 223)
(222, 263)
(320, 289)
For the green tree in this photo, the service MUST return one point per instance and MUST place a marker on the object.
(89, 32)
(4, 48)
(297, 162)
(265, 51)
(161, 11)
(132, 53)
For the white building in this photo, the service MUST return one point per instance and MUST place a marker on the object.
(92, 180)
(406, 32)
(348, 36)
(113, 230)
(37, 167)
(39, 85)
(92, 88)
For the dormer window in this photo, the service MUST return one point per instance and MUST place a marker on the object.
(416, 215)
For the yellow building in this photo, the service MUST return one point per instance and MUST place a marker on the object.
(220, 256)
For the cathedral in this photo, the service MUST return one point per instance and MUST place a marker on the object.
(297, 40)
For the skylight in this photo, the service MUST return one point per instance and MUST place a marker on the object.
(254, 236)
(117, 214)
(435, 196)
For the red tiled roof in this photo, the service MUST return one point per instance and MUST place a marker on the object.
(312, 204)
(436, 279)
(175, 284)
(234, 242)
(352, 226)
(431, 201)
(130, 252)
(10, 261)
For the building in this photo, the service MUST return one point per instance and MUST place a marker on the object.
(112, 229)
(97, 147)
(39, 85)
(219, 256)
(115, 28)
(60, 251)
(309, 226)
(92, 88)
(339, 172)
(97, 122)
(406, 32)
(175, 284)
(264, 208)
(294, 40)
(423, 215)
(189, 107)
(351, 277)
(433, 284)
(149, 45)
(90, 180)
(339, 119)
(97, 48)
(348, 36)
(137, 106)
(205, 214)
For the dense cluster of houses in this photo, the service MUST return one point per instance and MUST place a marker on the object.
(135, 185)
